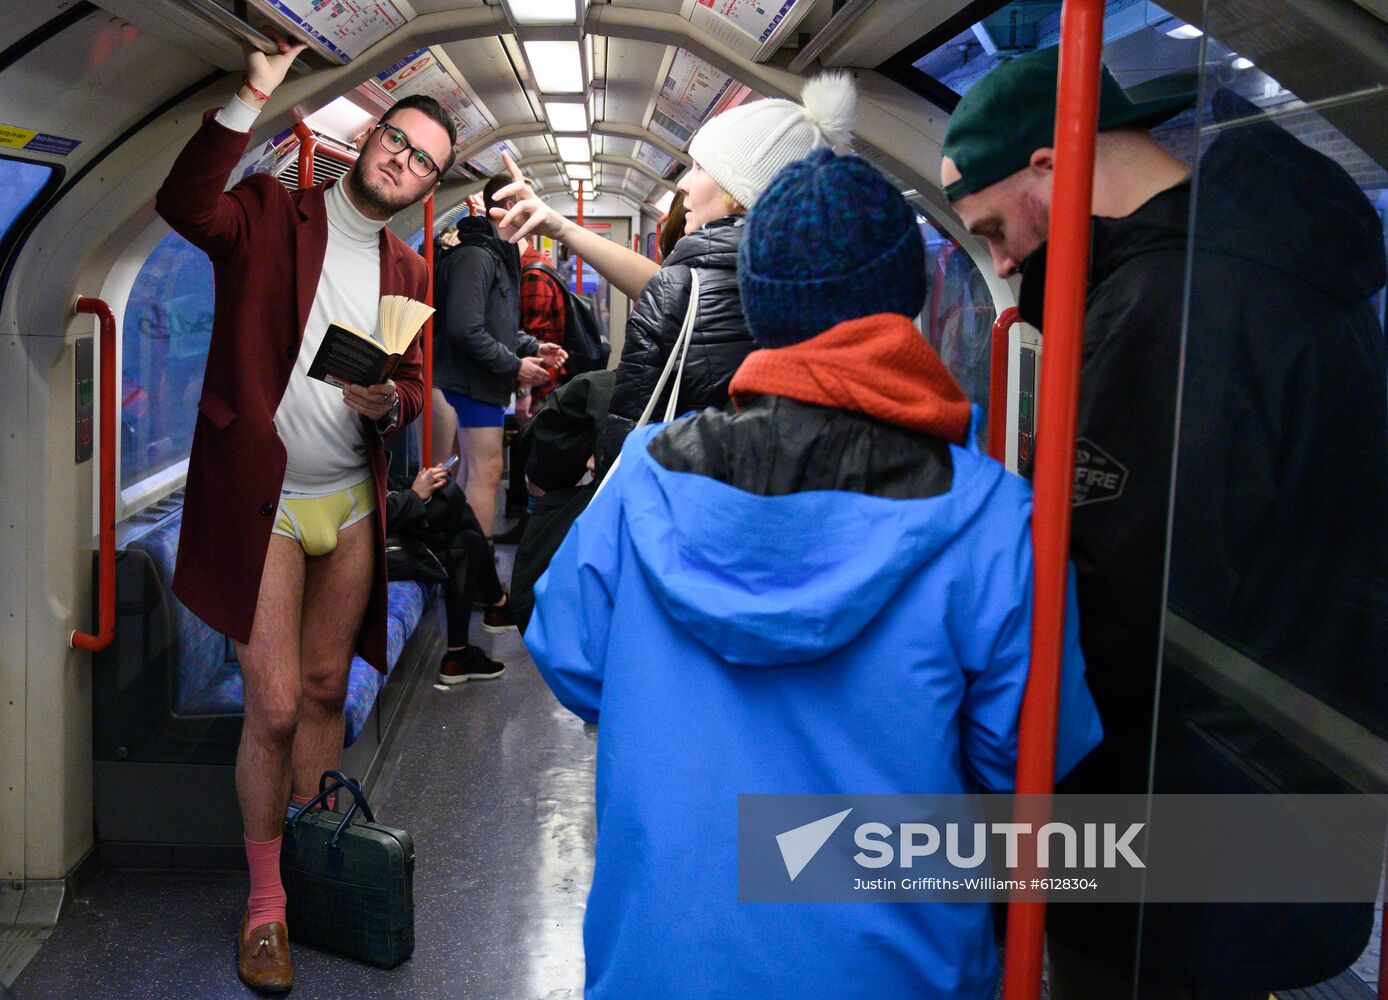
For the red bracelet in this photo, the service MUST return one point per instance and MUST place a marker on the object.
(259, 95)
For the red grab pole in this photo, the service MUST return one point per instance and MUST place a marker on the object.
(1077, 99)
(426, 436)
(307, 142)
(106, 566)
(997, 383)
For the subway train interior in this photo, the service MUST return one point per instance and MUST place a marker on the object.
(123, 854)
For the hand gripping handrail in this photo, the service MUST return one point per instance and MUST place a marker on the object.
(1077, 99)
(106, 573)
(997, 383)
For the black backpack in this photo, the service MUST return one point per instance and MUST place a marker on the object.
(584, 337)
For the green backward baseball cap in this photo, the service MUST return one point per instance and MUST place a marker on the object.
(1010, 113)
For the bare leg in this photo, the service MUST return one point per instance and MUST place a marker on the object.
(270, 669)
(337, 587)
(482, 456)
(445, 429)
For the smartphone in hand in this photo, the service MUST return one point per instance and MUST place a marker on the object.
(449, 463)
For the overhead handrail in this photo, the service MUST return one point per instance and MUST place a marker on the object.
(310, 146)
(997, 383)
(232, 25)
(106, 571)
(1076, 122)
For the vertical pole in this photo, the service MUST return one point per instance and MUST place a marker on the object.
(997, 383)
(426, 432)
(1067, 273)
(106, 501)
(307, 140)
(578, 266)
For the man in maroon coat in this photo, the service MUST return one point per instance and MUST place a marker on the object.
(282, 543)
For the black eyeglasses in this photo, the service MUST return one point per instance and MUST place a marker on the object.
(395, 141)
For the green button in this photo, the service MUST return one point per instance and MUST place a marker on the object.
(84, 392)
(1024, 406)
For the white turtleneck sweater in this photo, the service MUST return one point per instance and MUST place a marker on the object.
(321, 433)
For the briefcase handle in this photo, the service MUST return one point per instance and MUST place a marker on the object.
(340, 782)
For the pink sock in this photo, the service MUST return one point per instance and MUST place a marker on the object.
(299, 801)
(266, 901)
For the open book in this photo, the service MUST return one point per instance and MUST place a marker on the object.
(349, 357)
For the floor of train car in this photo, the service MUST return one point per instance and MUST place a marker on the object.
(495, 782)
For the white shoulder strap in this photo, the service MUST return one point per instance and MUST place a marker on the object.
(675, 363)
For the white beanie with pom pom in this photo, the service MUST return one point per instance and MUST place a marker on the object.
(745, 147)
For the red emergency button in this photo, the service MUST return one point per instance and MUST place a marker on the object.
(84, 432)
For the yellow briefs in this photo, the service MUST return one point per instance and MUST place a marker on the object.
(316, 521)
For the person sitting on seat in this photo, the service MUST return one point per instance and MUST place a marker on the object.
(826, 588)
(434, 537)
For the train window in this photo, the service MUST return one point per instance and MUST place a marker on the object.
(20, 184)
(23, 189)
(1142, 42)
(164, 338)
(958, 316)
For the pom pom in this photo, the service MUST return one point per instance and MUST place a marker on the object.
(829, 100)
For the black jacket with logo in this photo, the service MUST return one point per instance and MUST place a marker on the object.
(1276, 547)
(718, 344)
(478, 342)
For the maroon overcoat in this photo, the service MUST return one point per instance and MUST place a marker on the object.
(267, 246)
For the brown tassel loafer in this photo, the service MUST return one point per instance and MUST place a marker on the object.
(263, 957)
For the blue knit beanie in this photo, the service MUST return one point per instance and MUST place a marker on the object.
(830, 240)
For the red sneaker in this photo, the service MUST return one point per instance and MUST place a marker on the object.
(470, 664)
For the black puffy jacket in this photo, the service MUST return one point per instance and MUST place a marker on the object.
(720, 340)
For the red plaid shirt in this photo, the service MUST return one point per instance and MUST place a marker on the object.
(542, 309)
(542, 304)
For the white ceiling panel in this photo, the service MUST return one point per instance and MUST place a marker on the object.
(485, 68)
(619, 147)
(438, 6)
(662, 6)
(632, 68)
(22, 18)
(83, 87)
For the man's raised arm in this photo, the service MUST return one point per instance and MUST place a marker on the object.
(193, 199)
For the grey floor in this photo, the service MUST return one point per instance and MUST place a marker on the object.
(495, 783)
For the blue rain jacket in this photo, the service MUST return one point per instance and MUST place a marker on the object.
(820, 642)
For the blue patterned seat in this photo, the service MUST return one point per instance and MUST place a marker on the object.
(206, 677)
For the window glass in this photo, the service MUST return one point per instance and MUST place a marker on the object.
(20, 184)
(167, 327)
(1142, 41)
(958, 316)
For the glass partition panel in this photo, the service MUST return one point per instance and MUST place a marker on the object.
(1273, 677)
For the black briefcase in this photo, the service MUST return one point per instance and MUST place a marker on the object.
(350, 884)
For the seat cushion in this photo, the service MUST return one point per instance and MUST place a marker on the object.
(206, 676)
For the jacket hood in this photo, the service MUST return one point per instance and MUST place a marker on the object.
(741, 573)
(1265, 196)
(711, 245)
(475, 231)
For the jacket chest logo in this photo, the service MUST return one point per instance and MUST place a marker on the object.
(1098, 475)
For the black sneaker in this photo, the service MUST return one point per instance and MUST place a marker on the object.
(498, 619)
(470, 664)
